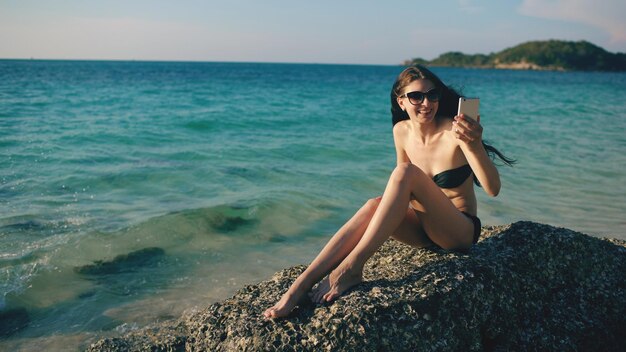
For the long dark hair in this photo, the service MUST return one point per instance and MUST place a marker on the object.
(448, 101)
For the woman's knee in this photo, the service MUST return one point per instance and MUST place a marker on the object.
(372, 204)
(405, 172)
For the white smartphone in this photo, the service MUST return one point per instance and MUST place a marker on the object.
(469, 107)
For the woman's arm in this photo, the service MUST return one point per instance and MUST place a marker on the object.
(469, 134)
(399, 138)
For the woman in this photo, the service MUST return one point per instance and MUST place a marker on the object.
(429, 198)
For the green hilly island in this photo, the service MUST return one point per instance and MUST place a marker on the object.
(537, 55)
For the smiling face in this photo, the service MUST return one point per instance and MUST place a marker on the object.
(425, 110)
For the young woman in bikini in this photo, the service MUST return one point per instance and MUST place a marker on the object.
(429, 198)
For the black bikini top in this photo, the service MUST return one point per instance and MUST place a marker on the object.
(454, 177)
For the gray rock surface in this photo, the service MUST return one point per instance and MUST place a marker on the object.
(524, 286)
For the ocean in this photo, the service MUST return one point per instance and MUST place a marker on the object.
(132, 192)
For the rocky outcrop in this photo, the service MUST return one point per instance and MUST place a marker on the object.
(524, 286)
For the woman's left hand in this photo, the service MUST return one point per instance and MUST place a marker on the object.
(467, 130)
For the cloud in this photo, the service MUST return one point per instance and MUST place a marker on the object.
(607, 15)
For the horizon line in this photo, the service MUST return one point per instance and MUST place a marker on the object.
(192, 61)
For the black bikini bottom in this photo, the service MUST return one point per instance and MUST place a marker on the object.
(477, 225)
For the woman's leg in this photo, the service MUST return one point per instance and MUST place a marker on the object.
(445, 224)
(409, 232)
(333, 253)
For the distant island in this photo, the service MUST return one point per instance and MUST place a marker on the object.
(556, 55)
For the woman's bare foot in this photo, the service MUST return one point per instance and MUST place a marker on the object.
(319, 291)
(285, 305)
(340, 280)
(282, 308)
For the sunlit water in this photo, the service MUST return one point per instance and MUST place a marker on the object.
(203, 177)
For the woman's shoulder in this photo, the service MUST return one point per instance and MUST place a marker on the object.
(401, 128)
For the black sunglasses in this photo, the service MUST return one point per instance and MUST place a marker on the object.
(417, 97)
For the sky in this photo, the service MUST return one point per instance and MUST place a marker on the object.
(383, 32)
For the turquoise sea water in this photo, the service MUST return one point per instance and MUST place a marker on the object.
(193, 179)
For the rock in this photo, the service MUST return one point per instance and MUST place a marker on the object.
(524, 286)
(168, 336)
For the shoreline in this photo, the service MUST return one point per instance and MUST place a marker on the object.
(437, 286)
(133, 326)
